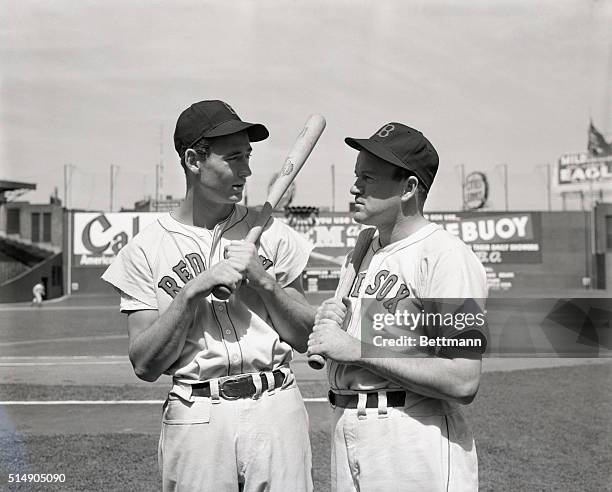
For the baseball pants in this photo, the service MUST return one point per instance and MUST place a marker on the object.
(245, 444)
(391, 449)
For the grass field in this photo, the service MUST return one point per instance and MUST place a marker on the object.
(536, 429)
(545, 429)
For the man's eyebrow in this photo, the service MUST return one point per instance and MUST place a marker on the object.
(239, 152)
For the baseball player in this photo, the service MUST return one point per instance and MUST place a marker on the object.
(38, 291)
(234, 418)
(396, 418)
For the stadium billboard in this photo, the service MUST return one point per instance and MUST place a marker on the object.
(99, 236)
(581, 168)
(518, 249)
(496, 237)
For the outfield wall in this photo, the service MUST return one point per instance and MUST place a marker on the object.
(522, 251)
(566, 255)
(49, 272)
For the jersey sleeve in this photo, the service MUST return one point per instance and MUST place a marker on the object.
(292, 252)
(454, 284)
(452, 274)
(129, 303)
(130, 274)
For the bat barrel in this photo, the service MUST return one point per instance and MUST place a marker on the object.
(298, 154)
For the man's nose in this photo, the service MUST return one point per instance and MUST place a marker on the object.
(355, 189)
(244, 170)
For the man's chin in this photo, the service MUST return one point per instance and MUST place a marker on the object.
(360, 217)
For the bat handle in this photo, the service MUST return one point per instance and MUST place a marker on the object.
(221, 292)
(316, 361)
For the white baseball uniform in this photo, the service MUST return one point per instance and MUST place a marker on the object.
(211, 443)
(426, 444)
(38, 291)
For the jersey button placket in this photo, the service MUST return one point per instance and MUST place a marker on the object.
(229, 338)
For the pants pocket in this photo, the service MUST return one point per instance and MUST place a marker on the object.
(181, 412)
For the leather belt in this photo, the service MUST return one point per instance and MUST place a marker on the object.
(394, 399)
(240, 386)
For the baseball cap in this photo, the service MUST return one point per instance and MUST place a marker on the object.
(404, 147)
(212, 119)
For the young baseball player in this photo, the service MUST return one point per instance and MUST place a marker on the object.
(38, 291)
(234, 418)
(396, 418)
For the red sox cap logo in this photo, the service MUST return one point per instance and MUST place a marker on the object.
(385, 130)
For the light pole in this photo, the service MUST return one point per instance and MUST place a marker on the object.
(462, 177)
(68, 168)
(159, 168)
(548, 184)
(333, 187)
(112, 185)
(505, 166)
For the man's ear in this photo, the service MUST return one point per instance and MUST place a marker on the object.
(191, 161)
(410, 188)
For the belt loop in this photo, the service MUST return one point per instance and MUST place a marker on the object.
(286, 373)
(361, 406)
(214, 390)
(382, 405)
(258, 386)
(270, 377)
(182, 390)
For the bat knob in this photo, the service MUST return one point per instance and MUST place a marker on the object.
(221, 292)
(316, 361)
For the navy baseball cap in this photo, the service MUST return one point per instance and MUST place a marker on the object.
(212, 119)
(404, 147)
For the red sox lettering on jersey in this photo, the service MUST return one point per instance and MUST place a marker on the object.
(431, 263)
(227, 337)
(381, 286)
(169, 284)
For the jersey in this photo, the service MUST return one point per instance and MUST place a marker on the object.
(429, 264)
(426, 442)
(226, 337)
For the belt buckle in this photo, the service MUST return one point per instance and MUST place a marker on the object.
(234, 379)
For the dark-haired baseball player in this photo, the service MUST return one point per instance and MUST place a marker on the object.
(234, 418)
(397, 423)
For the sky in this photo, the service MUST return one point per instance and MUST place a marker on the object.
(90, 84)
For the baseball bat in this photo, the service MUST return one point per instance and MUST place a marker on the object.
(296, 158)
(362, 245)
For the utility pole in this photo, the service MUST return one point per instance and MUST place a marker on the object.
(505, 166)
(548, 185)
(506, 184)
(462, 177)
(333, 187)
(159, 169)
(112, 185)
(68, 218)
(68, 168)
